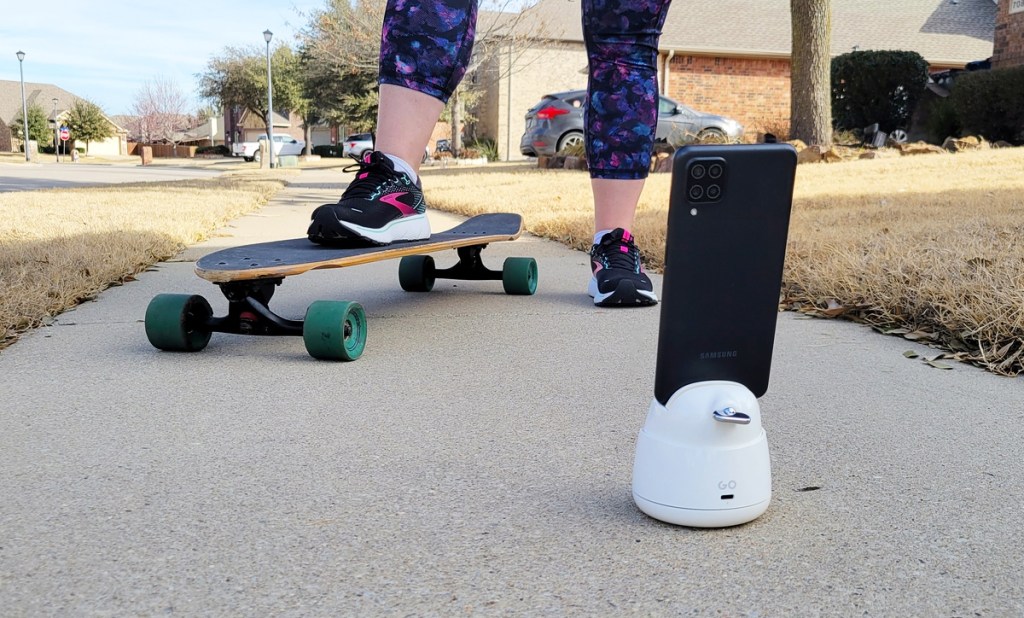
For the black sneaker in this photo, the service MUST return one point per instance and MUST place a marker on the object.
(380, 206)
(619, 278)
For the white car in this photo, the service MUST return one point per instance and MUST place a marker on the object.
(357, 145)
(284, 145)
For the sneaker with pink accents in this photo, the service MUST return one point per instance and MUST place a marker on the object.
(618, 277)
(380, 206)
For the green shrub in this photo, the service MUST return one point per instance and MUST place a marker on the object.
(223, 151)
(487, 148)
(991, 103)
(327, 150)
(942, 121)
(876, 86)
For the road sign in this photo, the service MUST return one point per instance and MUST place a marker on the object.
(64, 134)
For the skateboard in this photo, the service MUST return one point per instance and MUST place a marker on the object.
(729, 210)
(331, 330)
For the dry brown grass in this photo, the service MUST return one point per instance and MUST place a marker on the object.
(927, 247)
(61, 247)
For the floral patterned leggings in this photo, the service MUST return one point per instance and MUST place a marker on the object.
(426, 46)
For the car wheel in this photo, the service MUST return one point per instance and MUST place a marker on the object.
(258, 156)
(570, 139)
(248, 159)
(899, 136)
(362, 155)
(711, 136)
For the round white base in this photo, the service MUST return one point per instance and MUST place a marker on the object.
(693, 470)
(693, 518)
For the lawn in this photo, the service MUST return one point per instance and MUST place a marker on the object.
(61, 247)
(928, 247)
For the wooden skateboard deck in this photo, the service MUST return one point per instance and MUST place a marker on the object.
(292, 257)
(728, 223)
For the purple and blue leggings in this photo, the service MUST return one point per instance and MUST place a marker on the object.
(426, 46)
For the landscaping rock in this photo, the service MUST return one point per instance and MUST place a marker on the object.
(832, 156)
(818, 153)
(960, 144)
(798, 144)
(576, 163)
(918, 148)
(662, 164)
(543, 162)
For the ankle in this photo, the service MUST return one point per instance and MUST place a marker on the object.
(402, 166)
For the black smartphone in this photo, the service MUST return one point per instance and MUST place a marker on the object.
(728, 221)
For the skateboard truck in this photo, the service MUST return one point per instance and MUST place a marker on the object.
(700, 461)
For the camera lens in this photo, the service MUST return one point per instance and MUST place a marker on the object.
(698, 171)
(715, 171)
(714, 192)
(696, 192)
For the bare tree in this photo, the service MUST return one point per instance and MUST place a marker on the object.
(811, 97)
(161, 111)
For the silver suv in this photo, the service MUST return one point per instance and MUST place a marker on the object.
(557, 122)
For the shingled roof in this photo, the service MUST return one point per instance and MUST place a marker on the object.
(942, 31)
(41, 94)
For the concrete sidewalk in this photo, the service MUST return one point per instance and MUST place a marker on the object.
(476, 460)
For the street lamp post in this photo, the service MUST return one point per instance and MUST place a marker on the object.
(24, 106)
(56, 132)
(267, 35)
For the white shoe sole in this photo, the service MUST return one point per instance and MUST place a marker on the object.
(413, 227)
(641, 297)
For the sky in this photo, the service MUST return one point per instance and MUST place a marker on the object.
(106, 50)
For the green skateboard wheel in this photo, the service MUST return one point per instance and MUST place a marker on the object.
(416, 273)
(519, 276)
(335, 330)
(175, 322)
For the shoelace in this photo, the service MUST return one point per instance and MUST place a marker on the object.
(610, 251)
(370, 176)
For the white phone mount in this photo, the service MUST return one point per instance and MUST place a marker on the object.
(702, 459)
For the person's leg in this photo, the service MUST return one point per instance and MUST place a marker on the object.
(621, 118)
(405, 120)
(425, 49)
(615, 202)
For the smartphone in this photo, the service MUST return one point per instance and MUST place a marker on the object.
(728, 222)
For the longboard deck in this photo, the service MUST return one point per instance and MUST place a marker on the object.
(295, 256)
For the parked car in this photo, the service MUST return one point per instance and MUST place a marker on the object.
(283, 145)
(359, 144)
(557, 122)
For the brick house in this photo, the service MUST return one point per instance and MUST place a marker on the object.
(728, 57)
(1009, 35)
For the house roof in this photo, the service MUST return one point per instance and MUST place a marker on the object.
(943, 32)
(279, 120)
(42, 94)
